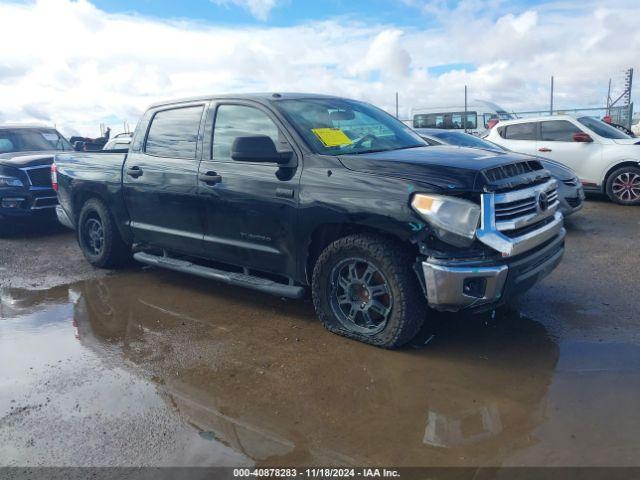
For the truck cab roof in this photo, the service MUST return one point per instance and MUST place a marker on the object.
(261, 97)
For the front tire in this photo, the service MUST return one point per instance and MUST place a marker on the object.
(99, 238)
(364, 288)
(623, 186)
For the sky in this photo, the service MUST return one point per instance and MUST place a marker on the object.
(77, 64)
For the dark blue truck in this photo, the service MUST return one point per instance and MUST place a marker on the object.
(26, 155)
(287, 192)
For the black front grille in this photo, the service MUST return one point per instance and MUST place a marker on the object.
(40, 176)
(574, 202)
(571, 183)
(511, 170)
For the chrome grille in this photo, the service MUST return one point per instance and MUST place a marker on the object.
(516, 221)
(520, 208)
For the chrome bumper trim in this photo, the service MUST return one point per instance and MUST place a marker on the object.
(63, 218)
(489, 234)
(445, 285)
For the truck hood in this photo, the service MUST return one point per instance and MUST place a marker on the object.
(443, 166)
(26, 159)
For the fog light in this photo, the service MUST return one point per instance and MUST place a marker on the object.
(12, 202)
(475, 287)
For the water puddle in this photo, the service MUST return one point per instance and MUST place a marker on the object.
(155, 368)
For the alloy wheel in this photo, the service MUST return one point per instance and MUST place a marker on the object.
(361, 298)
(626, 187)
(94, 236)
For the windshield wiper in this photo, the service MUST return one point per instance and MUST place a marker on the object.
(378, 150)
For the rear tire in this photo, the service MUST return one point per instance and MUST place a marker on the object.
(99, 238)
(364, 287)
(623, 186)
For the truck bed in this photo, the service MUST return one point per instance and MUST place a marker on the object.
(97, 172)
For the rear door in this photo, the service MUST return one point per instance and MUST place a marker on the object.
(556, 142)
(160, 180)
(520, 137)
(250, 207)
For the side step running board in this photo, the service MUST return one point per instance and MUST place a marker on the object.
(232, 278)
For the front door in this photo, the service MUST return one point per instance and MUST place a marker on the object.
(556, 142)
(251, 207)
(160, 181)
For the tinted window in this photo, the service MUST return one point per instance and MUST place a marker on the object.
(602, 129)
(445, 120)
(31, 140)
(558, 131)
(233, 121)
(174, 133)
(520, 131)
(462, 139)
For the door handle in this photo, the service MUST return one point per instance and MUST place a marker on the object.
(544, 149)
(134, 172)
(284, 192)
(210, 178)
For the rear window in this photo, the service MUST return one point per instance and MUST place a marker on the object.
(32, 140)
(519, 131)
(558, 131)
(174, 133)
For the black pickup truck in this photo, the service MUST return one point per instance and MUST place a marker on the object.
(280, 192)
(26, 155)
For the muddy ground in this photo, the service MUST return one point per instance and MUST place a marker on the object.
(148, 367)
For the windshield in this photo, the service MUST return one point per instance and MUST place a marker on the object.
(602, 129)
(464, 140)
(336, 126)
(31, 140)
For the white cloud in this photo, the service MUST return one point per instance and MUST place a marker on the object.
(258, 8)
(69, 63)
(386, 55)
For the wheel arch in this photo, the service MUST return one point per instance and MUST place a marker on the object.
(327, 233)
(83, 195)
(614, 167)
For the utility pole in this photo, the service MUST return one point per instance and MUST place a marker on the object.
(397, 116)
(551, 106)
(629, 102)
(609, 99)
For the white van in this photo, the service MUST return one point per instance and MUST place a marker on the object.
(479, 115)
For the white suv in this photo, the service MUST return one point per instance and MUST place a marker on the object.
(605, 159)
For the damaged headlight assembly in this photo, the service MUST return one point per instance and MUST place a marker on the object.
(452, 219)
(6, 182)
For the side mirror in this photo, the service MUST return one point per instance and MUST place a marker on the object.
(258, 148)
(582, 137)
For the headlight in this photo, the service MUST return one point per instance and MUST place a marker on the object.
(10, 182)
(454, 220)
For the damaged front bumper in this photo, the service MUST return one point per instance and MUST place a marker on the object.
(483, 284)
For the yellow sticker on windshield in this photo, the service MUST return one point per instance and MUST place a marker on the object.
(332, 137)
